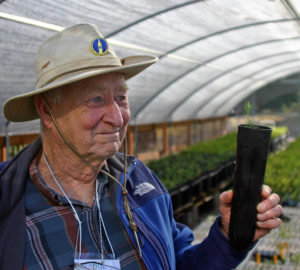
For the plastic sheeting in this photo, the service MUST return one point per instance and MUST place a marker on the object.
(213, 54)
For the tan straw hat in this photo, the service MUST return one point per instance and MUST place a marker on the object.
(76, 53)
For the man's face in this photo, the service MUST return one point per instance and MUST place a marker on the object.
(93, 115)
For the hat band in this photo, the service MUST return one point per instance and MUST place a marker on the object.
(52, 74)
(73, 72)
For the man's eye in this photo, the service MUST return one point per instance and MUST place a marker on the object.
(94, 102)
(121, 98)
(96, 99)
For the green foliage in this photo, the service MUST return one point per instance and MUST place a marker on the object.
(248, 113)
(295, 258)
(283, 172)
(278, 131)
(189, 164)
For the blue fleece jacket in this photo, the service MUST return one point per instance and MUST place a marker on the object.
(166, 243)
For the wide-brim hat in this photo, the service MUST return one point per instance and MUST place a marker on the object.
(74, 54)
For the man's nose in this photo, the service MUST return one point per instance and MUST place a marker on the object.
(113, 115)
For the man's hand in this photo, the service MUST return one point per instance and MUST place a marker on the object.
(268, 210)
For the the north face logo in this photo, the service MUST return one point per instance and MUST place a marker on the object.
(142, 189)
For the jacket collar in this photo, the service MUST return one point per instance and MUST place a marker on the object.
(13, 177)
(116, 164)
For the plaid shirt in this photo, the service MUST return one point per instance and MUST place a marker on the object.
(51, 228)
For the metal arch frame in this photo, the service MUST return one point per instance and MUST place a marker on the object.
(247, 77)
(151, 16)
(257, 88)
(157, 93)
(218, 102)
(286, 62)
(148, 101)
(182, 101)
(214, 112)
(290, 8)
(225, 31)
(226, 111)
(206, 102)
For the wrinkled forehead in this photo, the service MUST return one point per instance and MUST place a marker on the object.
(110, 83)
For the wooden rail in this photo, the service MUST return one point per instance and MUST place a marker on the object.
(16, 144)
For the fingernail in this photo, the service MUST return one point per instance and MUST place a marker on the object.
(267, 189)
(260, 216)
(261, 207)
(259, 223)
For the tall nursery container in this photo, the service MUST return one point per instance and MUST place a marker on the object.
(252, 152)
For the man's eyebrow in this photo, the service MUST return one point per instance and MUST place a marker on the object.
(124, 87)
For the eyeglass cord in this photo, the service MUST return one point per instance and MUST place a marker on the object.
(73, 209)
(78, 219)
(100, 226)
(124, 192)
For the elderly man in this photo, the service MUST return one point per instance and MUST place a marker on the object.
(68, 200)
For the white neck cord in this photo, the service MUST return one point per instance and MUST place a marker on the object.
(73, 209)
(77, 217)
(104, 229)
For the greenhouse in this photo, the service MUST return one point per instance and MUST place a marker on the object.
(221, 63)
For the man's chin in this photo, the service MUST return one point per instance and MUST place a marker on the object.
(107, 150)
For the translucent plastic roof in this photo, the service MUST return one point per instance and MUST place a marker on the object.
(213, 54)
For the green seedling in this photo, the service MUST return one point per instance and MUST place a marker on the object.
(248, 113)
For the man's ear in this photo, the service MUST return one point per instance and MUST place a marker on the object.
(42, 109)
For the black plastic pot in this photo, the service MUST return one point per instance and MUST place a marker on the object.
(252, 152)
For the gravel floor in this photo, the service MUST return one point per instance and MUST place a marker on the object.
(283, 242)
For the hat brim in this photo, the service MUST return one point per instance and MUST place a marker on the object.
(21, 107)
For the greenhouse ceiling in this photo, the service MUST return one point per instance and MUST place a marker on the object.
(213, 54)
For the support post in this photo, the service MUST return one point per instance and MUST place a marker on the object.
(130, 142)
(188, 134)
(166, 143)
(135, 140)
(170, 137)
(196, 131)
(7, 140)
(258, 258)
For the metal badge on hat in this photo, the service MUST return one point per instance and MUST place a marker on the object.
(99, 46)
